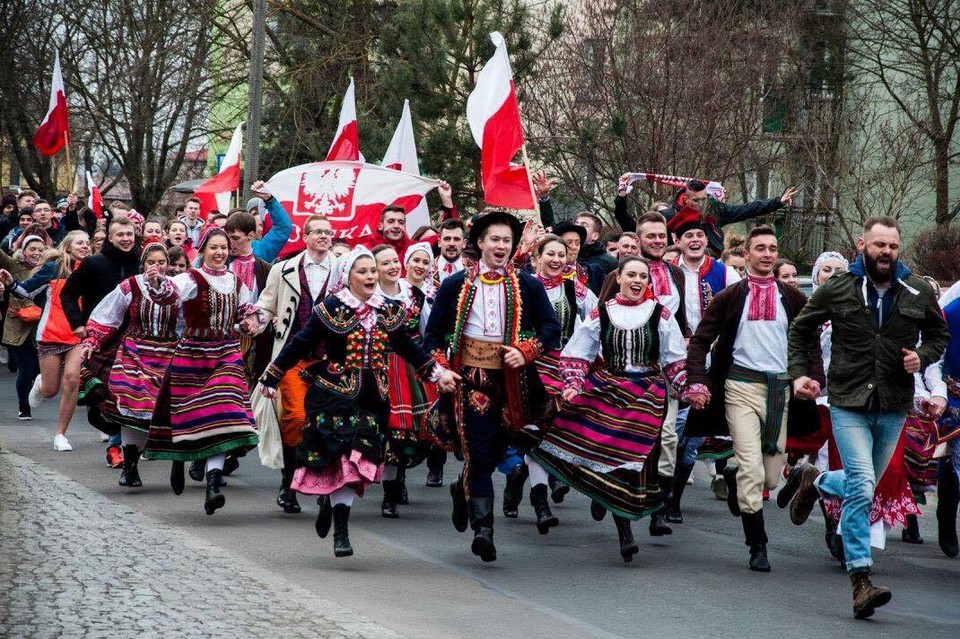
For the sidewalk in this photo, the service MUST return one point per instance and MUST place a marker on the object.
(75, 564)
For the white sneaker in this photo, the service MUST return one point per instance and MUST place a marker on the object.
(35, 398)
(61, 445)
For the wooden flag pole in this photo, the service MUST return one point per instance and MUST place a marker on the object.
(533, 191)
(66, 139)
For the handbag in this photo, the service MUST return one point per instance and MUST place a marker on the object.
(27, 314)
(265, 412)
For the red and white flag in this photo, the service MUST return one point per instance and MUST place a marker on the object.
(346, 143)
(494, 118)
(94, 200)
(714, 188)
(401, 155)
(350, 194)
(214, 194)
(54, 132)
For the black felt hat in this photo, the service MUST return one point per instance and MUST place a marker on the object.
(483, 221)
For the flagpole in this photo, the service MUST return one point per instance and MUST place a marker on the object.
(66, 140)
(533, 191)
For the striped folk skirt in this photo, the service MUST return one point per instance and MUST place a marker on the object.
(204, 405)
(600, 441)
(135, 378)
(410, 398)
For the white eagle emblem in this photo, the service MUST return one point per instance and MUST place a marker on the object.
(328, 192)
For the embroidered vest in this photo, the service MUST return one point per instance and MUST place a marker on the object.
(712, 279)
(644, 341)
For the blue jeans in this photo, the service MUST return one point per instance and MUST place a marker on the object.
(687, 446)
(865, 441)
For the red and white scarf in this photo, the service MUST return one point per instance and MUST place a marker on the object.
(763, 298)
(660, 278)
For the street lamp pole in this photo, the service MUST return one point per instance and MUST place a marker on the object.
(252, 164)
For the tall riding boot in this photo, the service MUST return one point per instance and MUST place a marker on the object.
(948, 498)
(481, 520)
(460, 511)
(341, 535)
(628, 547)
(324, 516)
(130, 476)
(176, 477)
(402, 497)
(287, 497)
(730, 479)
(833, 540)
(541, 506)
(755, 535)
(435, 462)
(513, 490)
(391, 490)
(680, 477)
(658, 520)
(197, 467)
(558, 490)
(215, 499)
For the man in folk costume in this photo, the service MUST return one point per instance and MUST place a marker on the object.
(667, 285)
(292, 289)
(703, 278)
(747, 384)
(492, 322)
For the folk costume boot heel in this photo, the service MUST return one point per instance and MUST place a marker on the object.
(628, 547)
(541, 506)
(481, 519)
(215, 499)
(130, 476)
(341, 534)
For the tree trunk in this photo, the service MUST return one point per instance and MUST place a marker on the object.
(942, 184)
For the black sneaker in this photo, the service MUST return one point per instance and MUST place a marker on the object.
(24, 414)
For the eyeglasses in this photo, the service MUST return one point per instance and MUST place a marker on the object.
(320, 232)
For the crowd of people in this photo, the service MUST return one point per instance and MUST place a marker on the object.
(561, 353)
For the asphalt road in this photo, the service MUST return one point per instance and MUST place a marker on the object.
(415, 575)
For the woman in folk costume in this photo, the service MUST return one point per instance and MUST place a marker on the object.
(145, 307)
(203, 411)
(572, 303)
(614, 407)
(409, 397)
(347, 405)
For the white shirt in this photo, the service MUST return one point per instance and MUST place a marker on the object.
(442, 264)
(317, 273)
(691, 291)
(486, 317)
(762, 345)
(670, 301)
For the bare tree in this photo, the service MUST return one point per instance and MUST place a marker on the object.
(911, 50)
(142, 73)
(659, 85)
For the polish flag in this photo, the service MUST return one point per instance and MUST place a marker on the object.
(494, 119)
(346, 143)
(401, 155)
(214, 194)
(95, 200)
(54, 132)
(350, 194)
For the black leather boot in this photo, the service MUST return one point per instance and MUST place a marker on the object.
(402, 497)
(680, 477)
(513, 490)
(215, 499)
(948, 498)
(197, 468)
(460, 512)
(755, 535)
(911, 532)
(481, 520)
(130, 476)
(658, 520)
(230, 464)
(287, 497)
(558, 490)
(597, 510)
(628, 547)
(176, 477)
(541, 506)
(391, 490)
(730, 478)
(830, 537)
(322, 525)
(435, 462)
(341, 534)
